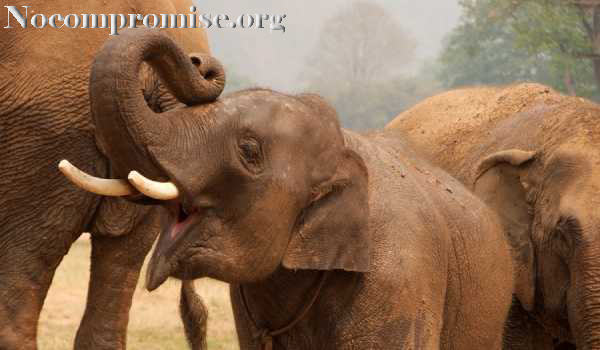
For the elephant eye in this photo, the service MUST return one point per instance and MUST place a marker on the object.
(251, 154)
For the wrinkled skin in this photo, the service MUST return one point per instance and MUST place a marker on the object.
(273, 193)
(533, 155)
(45, 117)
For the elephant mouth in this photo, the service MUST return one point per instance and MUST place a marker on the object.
(164, 260)
(178, 224)
(183, 219)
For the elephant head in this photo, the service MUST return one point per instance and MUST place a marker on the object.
(548, 200)
(266, 181)
(253, 181)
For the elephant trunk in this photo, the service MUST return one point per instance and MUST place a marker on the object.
(125, 126)
(584, 308)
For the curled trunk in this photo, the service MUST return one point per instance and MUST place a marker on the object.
(125, 125)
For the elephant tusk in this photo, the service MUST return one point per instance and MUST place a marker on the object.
(153, 189)
(104, 187)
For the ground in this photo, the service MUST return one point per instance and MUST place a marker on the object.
(154, 319)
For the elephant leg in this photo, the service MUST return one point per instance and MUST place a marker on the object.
(521, 332)
(24, 283)
(33, 241)
(122, 235)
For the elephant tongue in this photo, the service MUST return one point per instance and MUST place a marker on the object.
(176, 229)
(181, 221)
(160, 267)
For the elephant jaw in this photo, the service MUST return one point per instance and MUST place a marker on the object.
(164, 260)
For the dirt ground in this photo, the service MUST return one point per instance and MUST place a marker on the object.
(154, 320)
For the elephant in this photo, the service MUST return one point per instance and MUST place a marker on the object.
(329, 239)
(45, 115)
(532, 155)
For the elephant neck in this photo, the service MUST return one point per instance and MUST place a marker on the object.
(290, 302)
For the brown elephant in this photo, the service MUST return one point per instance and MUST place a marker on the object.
(533, 155)
(329, 239)
(45, 115)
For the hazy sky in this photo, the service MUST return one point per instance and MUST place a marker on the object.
(277, 60)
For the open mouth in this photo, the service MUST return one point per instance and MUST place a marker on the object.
(183, 217)
(179, 222)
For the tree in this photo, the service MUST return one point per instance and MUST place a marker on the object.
(500, 41)
(361, 43)
(358, 58)
(567, 31)
(486, 54)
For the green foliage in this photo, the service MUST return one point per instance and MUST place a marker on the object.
(551, 27)
(486, 55)
(502, 41)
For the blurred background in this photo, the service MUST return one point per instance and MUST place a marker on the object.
(374, 58)
(371, 59)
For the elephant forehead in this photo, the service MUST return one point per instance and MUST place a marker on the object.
(572, 160)
(572, 177)
(285, 120)
(571, 127)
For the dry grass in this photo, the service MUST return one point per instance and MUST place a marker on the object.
(154, 318)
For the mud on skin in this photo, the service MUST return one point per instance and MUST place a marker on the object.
(532, 155)
(271, 192)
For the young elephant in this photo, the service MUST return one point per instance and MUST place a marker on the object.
(533, 155)
(329, 239)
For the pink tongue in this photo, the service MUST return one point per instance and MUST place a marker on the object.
(176, 230)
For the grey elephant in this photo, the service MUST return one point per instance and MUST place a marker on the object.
(329, 239)
(533, 155)
(45, 115)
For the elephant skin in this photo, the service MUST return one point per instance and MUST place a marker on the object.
(284, 205)
(44, 117)
(533, 155)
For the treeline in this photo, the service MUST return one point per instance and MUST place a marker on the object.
(360, 62)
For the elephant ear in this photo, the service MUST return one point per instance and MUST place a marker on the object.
(501, 183)
(333, 231)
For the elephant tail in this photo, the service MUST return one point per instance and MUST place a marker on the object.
(194, 315)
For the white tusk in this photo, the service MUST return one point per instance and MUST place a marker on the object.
(104, 187)
(153, 189)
